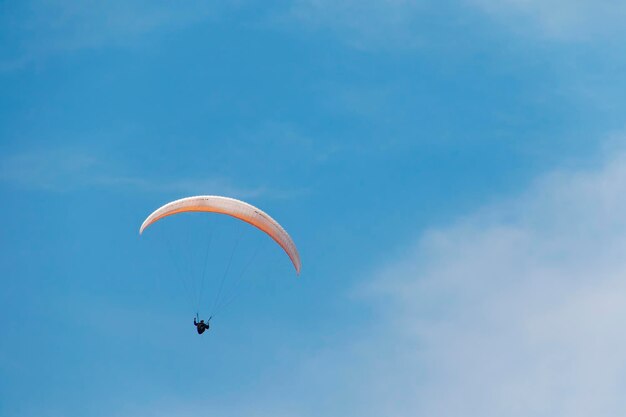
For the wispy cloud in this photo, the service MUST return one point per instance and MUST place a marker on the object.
(70, 169)
(517, 310)
(36, 29)
(558, 19)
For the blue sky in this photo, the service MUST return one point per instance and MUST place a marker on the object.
(452, 173)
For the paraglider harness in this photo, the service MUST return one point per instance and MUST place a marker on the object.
(201, 326)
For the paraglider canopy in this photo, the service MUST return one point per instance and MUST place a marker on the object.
(234, 208)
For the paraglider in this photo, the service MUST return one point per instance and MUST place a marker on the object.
(201, 326)
(234, 208)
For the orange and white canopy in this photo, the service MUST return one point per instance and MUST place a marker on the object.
(232, 207)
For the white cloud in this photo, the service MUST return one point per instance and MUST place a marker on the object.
(518, 310)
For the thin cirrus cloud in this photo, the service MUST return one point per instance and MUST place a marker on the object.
(67, 169)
